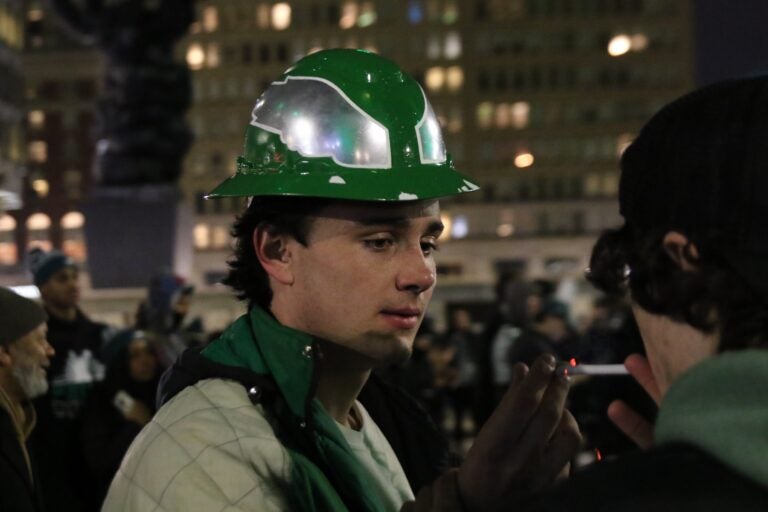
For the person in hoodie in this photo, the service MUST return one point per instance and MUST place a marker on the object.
(74, 371)
(692, 255)
(120, 405)
(344, 163)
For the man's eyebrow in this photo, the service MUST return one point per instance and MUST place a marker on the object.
(400, 222)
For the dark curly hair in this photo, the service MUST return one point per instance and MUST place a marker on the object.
(280, 214)
(634, 260)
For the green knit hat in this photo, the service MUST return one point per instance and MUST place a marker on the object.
(18, 316)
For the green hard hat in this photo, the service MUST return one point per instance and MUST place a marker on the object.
(344, 124)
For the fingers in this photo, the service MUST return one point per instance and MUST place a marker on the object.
(522, 400)
(549, 415)
(640, 369)
(562, 448)
(634, 426)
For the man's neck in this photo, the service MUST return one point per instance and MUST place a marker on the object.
(66, 313)
(341, 378)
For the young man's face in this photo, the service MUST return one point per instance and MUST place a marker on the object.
(30, 357)
(365, 278)
(62, 289)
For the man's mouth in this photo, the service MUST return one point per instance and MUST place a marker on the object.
(402, 318)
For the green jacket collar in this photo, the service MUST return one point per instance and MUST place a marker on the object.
(288, 357)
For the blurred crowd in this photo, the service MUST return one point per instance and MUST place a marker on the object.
(461, 372)
(103, 380)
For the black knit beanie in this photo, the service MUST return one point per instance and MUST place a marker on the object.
(700, 166)
(18, 316)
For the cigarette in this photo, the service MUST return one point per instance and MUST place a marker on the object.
(571, 368)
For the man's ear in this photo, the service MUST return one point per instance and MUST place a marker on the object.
(274, 253)
(681, 250)
(6, 360)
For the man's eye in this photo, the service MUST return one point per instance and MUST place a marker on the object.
(429, 247)
(378, 244)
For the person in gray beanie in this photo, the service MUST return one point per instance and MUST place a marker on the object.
(24, 356)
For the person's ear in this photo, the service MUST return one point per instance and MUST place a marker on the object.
(6, 360)
(274, 251)
(681, 250)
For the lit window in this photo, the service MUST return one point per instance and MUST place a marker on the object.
(523, 159)
(619, 45)
(41, 187)
(263, 15)
(434, 78)
(195, 56)
(7, 223)
(484, 114)
(202, 236)
(38, 151)
(74, 247)
(38, 222)
(210, 19)
(220, 237)
(454, 78)
(213, 55)
(8, 253)
(349, 13)
(452, 46)
(460, 227)
(281, 16)
(73, 220)
(36, 119)
(505, 230)
(520, 111)
(450, 13)
(502, 115)
(367, 15)
(415, 12)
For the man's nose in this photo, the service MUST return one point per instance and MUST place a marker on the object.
(417, 273)
(49, 350)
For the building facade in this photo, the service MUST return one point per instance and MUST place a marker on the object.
(537, 99)
(11, 124)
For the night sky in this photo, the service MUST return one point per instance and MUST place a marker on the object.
(732, 38)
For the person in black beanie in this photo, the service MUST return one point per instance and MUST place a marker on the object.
(692, 254)
(74, 370)
(24, 356)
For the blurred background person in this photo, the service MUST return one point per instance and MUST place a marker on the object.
(120, 405)
(464, 344)
(24, 356)
(74, 370)
(549, 332)
(164, 314)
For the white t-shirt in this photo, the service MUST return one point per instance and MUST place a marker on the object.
(374, 452)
